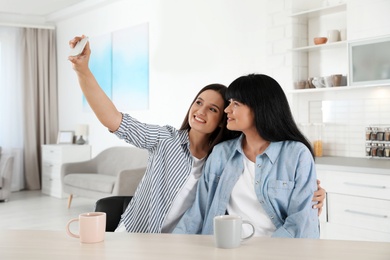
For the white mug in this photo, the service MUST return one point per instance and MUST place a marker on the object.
(227, 231)
(328, 81)
(92, 227)
(318, 82)
(333, 35)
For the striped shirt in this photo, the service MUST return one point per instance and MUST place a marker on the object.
(168, 168)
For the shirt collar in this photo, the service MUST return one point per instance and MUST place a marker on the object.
(272, 151)
(183, 137)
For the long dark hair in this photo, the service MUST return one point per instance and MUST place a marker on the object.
(273, 118)
(221, 133)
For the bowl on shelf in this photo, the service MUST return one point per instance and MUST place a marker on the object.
(320, 40)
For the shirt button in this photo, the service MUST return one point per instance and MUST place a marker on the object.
(272, 217)
(259, 166)
(257, 182)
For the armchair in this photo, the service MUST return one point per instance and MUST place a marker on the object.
(6, 169)
(115, 171)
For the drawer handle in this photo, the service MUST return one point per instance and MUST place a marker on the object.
(365, 185)
(365, 213)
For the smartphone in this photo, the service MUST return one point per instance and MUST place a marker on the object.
(79, 47)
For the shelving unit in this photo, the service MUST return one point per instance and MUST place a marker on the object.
(53, 156)
(311, 60)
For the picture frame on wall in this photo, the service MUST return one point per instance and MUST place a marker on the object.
(65, 137)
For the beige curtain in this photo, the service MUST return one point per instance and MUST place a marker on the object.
(40, 99)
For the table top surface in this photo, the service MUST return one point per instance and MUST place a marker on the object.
(43, 244)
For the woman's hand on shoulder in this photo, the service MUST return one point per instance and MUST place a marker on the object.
(319, 197)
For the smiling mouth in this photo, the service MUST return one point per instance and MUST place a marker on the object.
(199, 119)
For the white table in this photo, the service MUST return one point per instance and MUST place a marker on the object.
(41, 244)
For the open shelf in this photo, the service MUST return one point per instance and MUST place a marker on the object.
(331, 45)
(340, 88)
(321, 11)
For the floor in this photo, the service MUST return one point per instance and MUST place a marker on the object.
(34, 210)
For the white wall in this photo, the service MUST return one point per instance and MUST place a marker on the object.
(191, 44)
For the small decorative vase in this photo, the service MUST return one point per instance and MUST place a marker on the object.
(80, 140)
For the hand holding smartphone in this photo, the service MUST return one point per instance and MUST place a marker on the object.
(79, 47)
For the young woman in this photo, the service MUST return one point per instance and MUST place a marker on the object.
(267, 175)
(176, 157)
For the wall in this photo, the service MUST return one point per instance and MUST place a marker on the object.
(191, 44)
(345, 113)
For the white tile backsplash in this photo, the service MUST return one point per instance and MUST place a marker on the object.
(345, 122)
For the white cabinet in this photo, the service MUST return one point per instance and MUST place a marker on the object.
(53, 156)
(357, 205)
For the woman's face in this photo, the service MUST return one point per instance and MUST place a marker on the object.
(206, 112)
(240, 117)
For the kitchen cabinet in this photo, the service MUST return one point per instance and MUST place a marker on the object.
(357, 204)
(53, 156)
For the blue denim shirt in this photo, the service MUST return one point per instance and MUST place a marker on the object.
(285, 180)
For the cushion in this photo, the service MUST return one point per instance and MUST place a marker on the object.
(91, 181)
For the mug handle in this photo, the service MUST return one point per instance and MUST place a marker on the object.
(253, 230)
(68, 229)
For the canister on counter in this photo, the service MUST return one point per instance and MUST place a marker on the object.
(381, 150)
(368, 133)
(387, 134)
(373, 135)
(380, 135)
(387, 150)
(368, 149)
(374, 149)
(317, 144)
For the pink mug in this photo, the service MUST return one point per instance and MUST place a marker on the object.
(92, 227)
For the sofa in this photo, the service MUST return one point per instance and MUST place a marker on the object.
(115, 171)
(6, 169)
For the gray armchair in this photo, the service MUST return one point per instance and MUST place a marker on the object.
(6, 169)
(115, 171)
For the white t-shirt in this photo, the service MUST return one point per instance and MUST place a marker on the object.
(243, 202)
(185, 198)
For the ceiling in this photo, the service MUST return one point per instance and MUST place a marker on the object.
(34, 7)
(43, 11)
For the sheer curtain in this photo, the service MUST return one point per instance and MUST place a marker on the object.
(28, 97)
(11, 100)
(40, 98)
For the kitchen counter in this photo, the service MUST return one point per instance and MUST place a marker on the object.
(354, 164)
